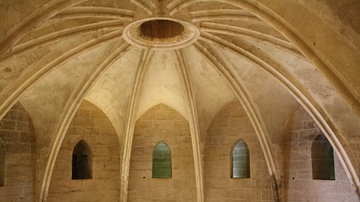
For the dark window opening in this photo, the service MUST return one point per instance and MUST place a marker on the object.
(322, 156)
(81, 161)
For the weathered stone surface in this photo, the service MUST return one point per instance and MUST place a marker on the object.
(20, 154)
(219, 186)
(105, 161)
(298, 177)
(162, 125)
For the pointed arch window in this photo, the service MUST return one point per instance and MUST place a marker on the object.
(82, 161)
(161, 163)
(2, 162)
(322, 158)
(240, 161)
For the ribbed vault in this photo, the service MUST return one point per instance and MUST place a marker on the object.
(264, 54)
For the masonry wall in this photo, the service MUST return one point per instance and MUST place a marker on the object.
(299, 184)
(162, 123)
(228, 127)
(91, 125)
(17, 132)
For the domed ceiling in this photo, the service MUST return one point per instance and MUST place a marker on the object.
(194, 56)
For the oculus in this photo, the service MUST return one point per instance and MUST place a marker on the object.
(160, 33)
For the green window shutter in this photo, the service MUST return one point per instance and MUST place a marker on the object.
(161, 164)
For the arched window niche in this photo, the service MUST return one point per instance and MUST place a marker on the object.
(322, 158)
(161, 162)
(240, 167)
(2, 162)
(81, 161)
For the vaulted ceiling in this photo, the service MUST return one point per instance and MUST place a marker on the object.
(194, 56)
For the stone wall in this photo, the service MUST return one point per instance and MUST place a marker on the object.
(17, 132)
(299, 184)
(89, 124)
(228, 127)
(162, 123)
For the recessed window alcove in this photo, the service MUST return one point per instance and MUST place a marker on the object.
(322, 158)
(81, 161)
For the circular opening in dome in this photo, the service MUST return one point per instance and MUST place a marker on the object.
(161, 29)
(160, 33)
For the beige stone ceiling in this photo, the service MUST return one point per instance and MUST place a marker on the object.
(269, 55)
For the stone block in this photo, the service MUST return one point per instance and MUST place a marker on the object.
(7, 124)
(145, 124)
(9, 135)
